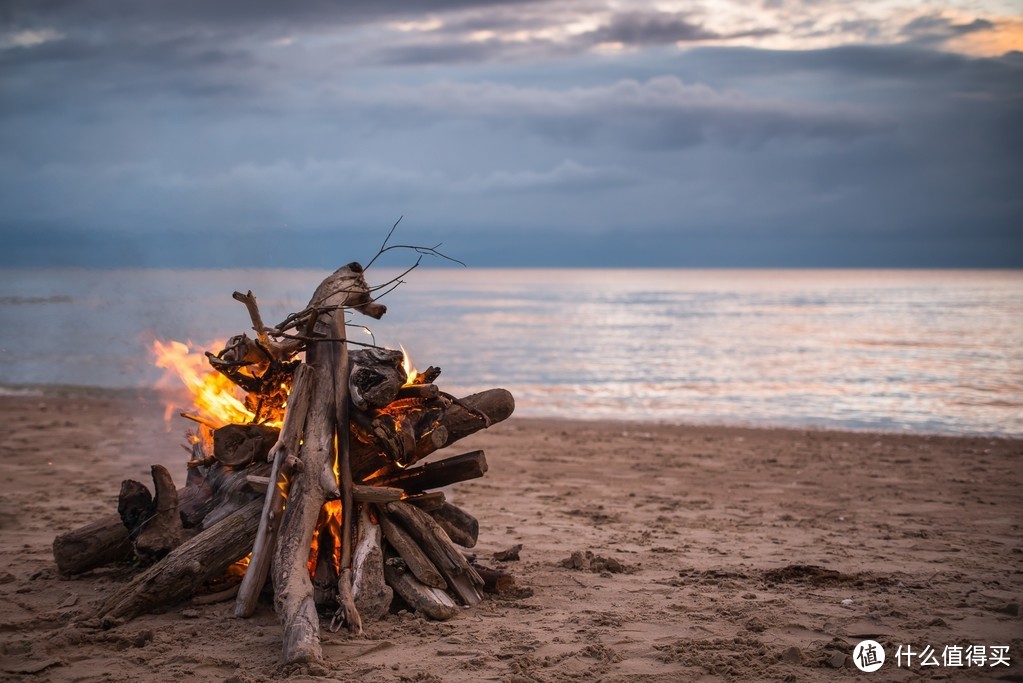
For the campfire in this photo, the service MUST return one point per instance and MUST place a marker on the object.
(307, 486)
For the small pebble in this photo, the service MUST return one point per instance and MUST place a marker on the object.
(837, 660)
(189, 614)
(1010, 608)
(792, 655)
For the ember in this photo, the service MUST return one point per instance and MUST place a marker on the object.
(304, 473)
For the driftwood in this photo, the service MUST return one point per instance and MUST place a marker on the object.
(463, 528)
(411, 554)
(453, 566)
(293, 589)
(287, 446)
(176, 577)
(369, 587)
(436, 474)
(238, 445)
(213, 495)
(458, 422)
(347, 613)
(104, 541)
(375, 494)
(432, 602)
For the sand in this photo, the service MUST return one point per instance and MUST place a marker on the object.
(719, 554)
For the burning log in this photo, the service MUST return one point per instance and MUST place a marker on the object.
(239, 445)
(327, 503)
(285, 457)
(293, 588)
(436, 474)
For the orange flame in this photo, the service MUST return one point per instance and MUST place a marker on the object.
(215, 397)
(410, 370)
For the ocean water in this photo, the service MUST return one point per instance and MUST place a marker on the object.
(923, 351)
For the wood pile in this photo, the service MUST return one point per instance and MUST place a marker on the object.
(330, 511)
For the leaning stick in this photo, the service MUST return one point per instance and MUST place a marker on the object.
(347, 613)
(273, 503)
(293, 588)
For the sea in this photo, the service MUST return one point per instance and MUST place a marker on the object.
(920, 351)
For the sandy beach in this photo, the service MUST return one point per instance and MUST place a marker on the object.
(718, 554)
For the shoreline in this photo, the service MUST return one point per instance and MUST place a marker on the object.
(747, 554)
(162, 394)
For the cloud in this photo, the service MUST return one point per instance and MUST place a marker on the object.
(659, 28)
(662, 112)
(935, 28)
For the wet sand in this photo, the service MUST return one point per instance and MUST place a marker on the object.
(719, 554)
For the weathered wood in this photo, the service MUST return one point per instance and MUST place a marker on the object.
(495, 580)
(461, 577)
(213, 493)
(413, 556)
(347, 612)
(418, 391)
(176, 576)
(100, 542)
(463, 528)
(435, 474)
(376, 377)
(134, 504)
(293, 589)
(428, 501)
(238, 445)
(369, 457)
(375, 494)
(273, 502)
(433, 602)
(369, 587)
(163, 530)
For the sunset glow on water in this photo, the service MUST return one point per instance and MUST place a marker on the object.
(932, 351)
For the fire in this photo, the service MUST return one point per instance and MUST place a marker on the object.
(410, 370)
(215, 397)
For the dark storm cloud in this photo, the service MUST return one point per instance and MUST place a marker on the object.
(232, 16)
(934, 29)
(662, 112)
(658, 28)
(132, 133)
(650, 28)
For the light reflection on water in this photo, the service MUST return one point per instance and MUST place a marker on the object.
(934, 351)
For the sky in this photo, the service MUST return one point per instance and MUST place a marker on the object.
(711, 133)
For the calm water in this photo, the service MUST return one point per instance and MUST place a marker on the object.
(933, 351)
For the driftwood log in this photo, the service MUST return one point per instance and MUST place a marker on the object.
(206, 556)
